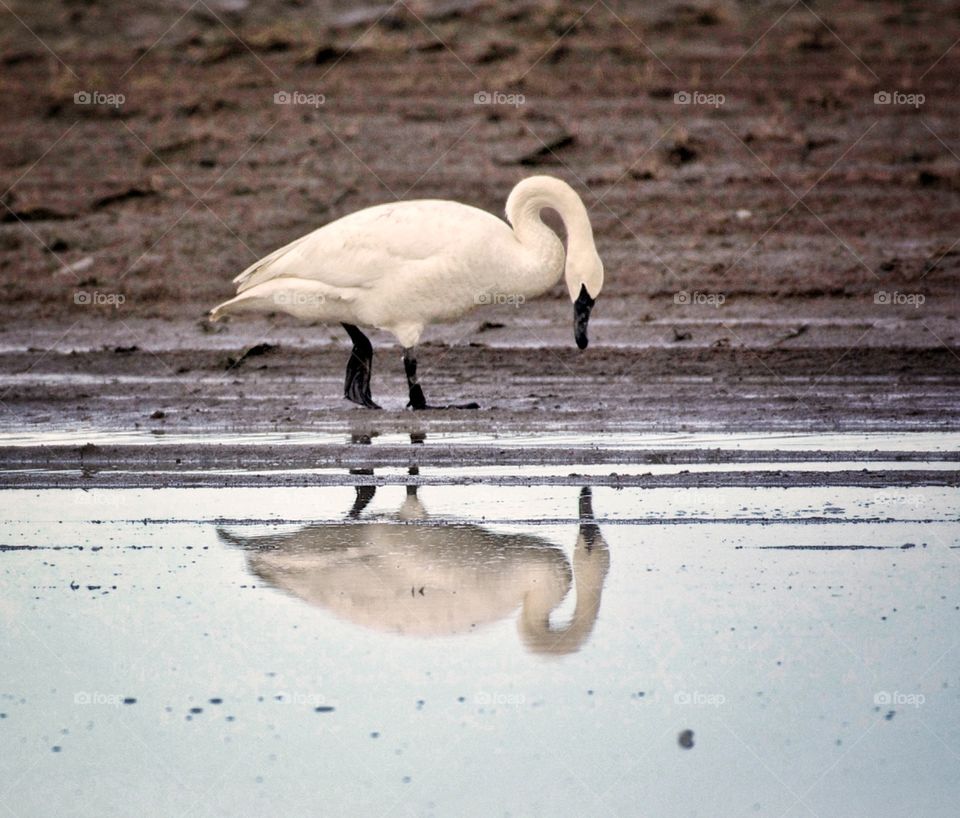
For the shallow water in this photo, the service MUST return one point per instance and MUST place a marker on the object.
(480, 650)
(625, 441)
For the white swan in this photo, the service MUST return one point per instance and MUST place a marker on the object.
(401, 266)
(420, 579)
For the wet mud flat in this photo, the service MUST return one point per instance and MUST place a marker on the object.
(287, 384)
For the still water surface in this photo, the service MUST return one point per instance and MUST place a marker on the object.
(480, 650)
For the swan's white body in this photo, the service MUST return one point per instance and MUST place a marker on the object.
(421, 579)
(402, 266)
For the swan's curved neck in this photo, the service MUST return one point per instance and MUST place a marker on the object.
(537, 193)
(590, 564)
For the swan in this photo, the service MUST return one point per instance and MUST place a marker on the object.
(406, 576)
(401, 266)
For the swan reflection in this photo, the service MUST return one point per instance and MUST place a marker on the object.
(403, 574)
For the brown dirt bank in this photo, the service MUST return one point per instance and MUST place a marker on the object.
(806, 205)
(797, 186)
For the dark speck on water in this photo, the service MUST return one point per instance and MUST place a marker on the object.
(374, 734)
(129, 700)
(406, 779)
(216, 701)
(196, 709)
(685, 739)
(890, 715)
(56, 748)
(323, 708)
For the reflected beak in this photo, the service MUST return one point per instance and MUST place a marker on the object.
(581, 316)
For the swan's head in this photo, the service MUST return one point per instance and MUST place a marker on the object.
(584, 277)
(583, 269)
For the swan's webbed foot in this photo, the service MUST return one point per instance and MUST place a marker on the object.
(356, 387)
(417, 400)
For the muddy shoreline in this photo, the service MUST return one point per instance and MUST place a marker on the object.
(607, 389)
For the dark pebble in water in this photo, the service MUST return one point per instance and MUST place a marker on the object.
(374, 734)
(129, 700)
(461, 699)
(685, 739)
(230, 718)
(196, 709)
(3, 715)
(323, 708)
(216, 701)
(890, 715)
(56, 748)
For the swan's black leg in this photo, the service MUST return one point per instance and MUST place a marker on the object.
(589, 529)
(356, 387)
(417, 400)
(364, 495)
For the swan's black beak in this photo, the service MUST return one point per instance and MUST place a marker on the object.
(581, 316)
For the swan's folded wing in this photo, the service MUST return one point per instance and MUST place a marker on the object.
(357, 251)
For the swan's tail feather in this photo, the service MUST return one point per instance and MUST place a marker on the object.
(217, 312)
(221, 310)
(261, 270)
(297, 296)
